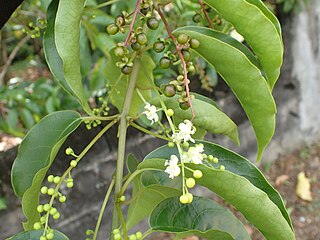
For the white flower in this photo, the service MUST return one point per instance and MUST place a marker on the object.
(194, 154)
(186, 130)
(151, 113)
(172, 166)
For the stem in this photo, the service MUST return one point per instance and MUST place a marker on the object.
(122, 139)
(183, 62)
(136, 10)
(67, 172)
(149, 132)
(205, 13)
(105, 4)
(92, 118)
(103, 207)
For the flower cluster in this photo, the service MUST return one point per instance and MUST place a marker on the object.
(151, 113)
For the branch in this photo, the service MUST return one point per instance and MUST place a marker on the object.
(136, 10)
(206, 13)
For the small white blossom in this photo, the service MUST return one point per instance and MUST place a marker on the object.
(194, 154)
(186, 129)
(151, 113)
(172, 166)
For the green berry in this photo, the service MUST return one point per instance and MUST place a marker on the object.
(182, 38)
(119, 51)
(69, 151)
(184, 105)
(169, 90)
(222, 168)
(43, 219)
(190, 197)
(135, 46)
(116, 231)
(50, 191)
(186, 145)
(145, 10)
(122, 198)
(158, 46)
(50, 235)
(43, 238)
(190, 182)
(112, 29)
(142, 39)
(117, 236)
(164, 62)
(56, 179)
(152, 23)
(170, 144)
(139, 235)
(53, 211)
(40, 209)
(73, 163)
(184, 199)
(69, 184)
(62, 199)
(44, 190)
(89, 232)
(197, 174)
(37, 226)
(50, 178)
(120, 21)
(46, 207)
(215, 160)
(186, 55)
(126, 70)
(56, 216)
(196, 18)
(132, 237)
(210, 158)
(170, 112)
(194, 43)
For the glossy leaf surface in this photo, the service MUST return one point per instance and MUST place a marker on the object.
(36, 153)
(232, 62)
(252, 202)
(260, 29)
(202, 215)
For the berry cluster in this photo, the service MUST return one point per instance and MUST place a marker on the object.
(117, 235)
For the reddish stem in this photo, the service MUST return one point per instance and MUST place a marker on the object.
(136, 10)
(184, 64)
(205, 13)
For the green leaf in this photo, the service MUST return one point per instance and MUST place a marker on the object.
(26, 118)
(254, 21)
(66, 38)
(252, 202)
(235, 164)
(36, 234)
(233, 62)
(201, 216)
(119, 83)
(36, 153)
(207, 117)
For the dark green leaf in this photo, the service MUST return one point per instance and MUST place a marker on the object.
(202, 215)
(36, 234)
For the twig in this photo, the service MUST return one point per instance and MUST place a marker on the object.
(136, 10)
(205, 13)
(11, 57)
(184, 64)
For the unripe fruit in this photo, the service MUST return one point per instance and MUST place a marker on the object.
(56, 216)
(37, 226)
(46, 207)
(73, 163)
(69, 184)
(186, 55)
(190, 197)
(142, 39)
(117, 236)
(196, 18)
(135, 46)
(122, 198)
(119, 52)
(184, 199)
(152, 23)
(186, 145)
(120, 21)
(126, 70)
(158, 46)
(62, 199)
(194, 43)
(184, 105)
(222, 168)
(132, 237)
(182, 38)
(69, 151)
(139, 235)
(40, 209)
(112, 29)
(43, 238)
(170, 144)
(170, 112)
(53, 211)
(56, 179)
(197, 174)
(50, 191)
(169, 90)
(215, 160)
(50, 178)
(164, 62)
(144, 11)
(190, 182)
(50, 236)
(44, 190)
(116, 231)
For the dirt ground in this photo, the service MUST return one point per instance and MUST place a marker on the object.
(282, 174)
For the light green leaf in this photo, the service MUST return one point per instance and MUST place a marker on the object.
(207, 117)
(259, 27)
(36, 153)
(233, 62)
(252, 202)
(119, 83)
(202, 216)
(36, 234)
(233, 163)
(67, 41)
